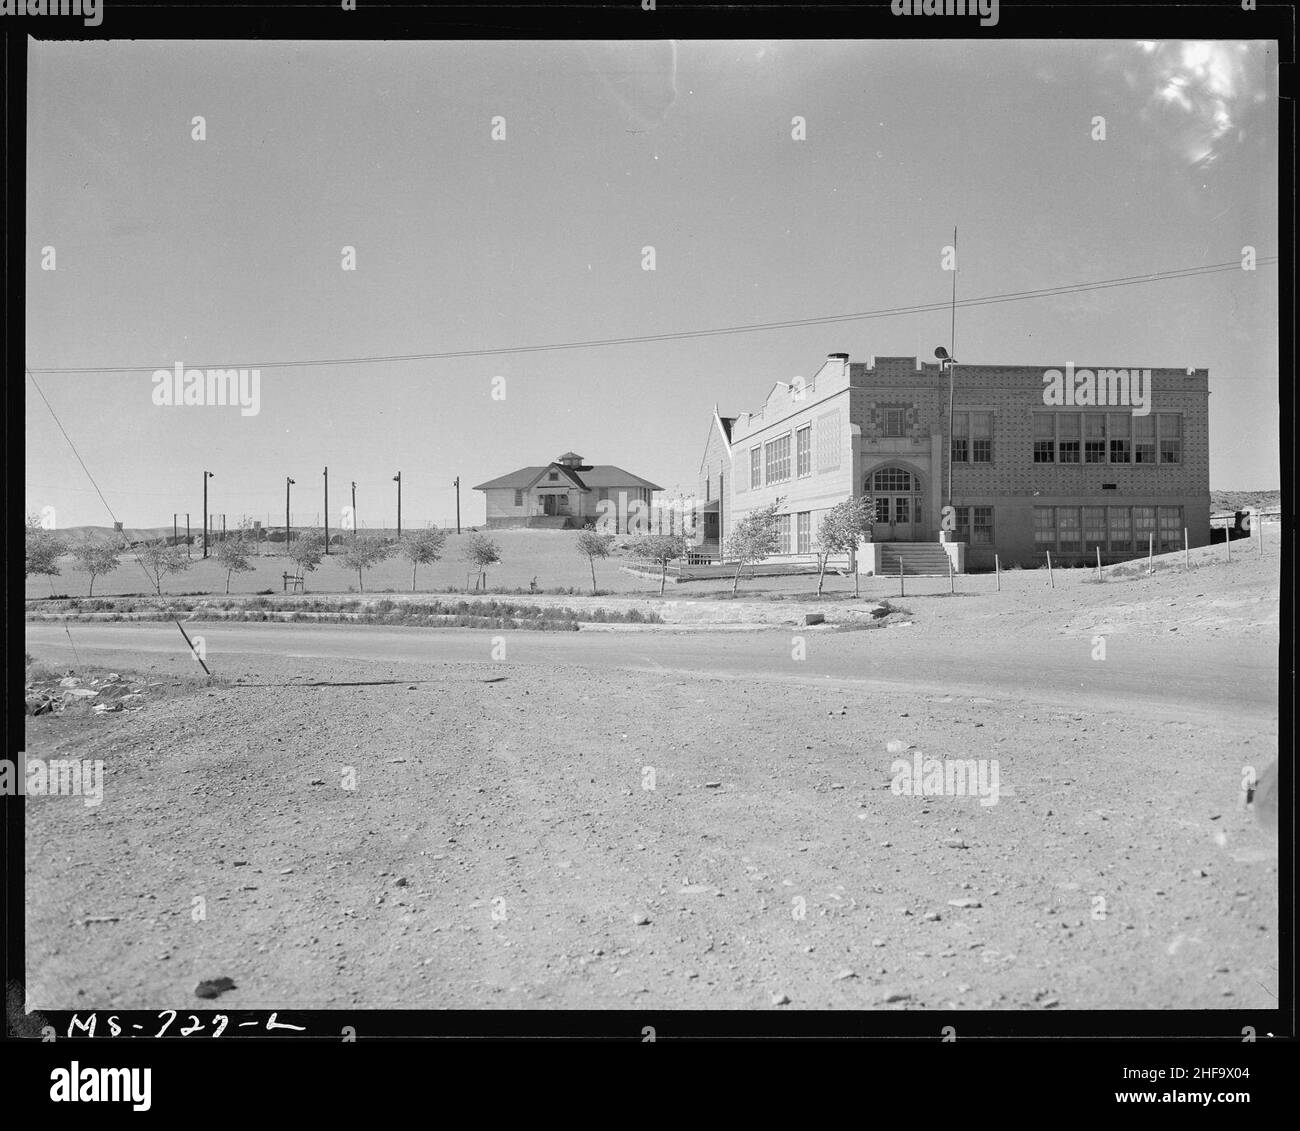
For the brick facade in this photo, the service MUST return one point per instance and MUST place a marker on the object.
(890, 415)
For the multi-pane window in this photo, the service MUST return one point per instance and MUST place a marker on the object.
(1171, 438)
(902, 509)
(1170, 534)
(892, 479)
(961, 532)
(1094, 437)
(1119, 428)
(756, 467)
(803, 451)
(1044, 438)
(981, 430)
(894, 421)
(1068, 437)
(972, 437)
(1144, 525)
(519, 498)
(974, 525)
(1144, 439)
(960, 438)
(1045, 527)
(882, 510)
(1094, 528)
(1121, 530)
(803, 532)
(1067, 529)
(783, 534)
(777, 453)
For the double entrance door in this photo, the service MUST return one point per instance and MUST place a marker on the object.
(897, 495)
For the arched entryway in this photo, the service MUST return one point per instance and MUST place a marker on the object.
(898, 502)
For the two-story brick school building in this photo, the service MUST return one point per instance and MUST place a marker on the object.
(1062, 458)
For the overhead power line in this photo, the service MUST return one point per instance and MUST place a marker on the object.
(748, 328)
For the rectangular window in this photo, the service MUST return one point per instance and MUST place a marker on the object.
(960, 438)
(803, 449)
(1144, 439)
(1144, 526)
(803, 530)
(1044, 438)
(981, 430)
(1067, 426)
(519, 498)
(1171, 438)
(783, 534)
(1170, 534)
(1119, 428)
(1094, 528)
(1121, 530)
(981, 530)
(1067, 529)
(1094, 437)
(894, 422)
(777, 453)
(882, 510)
(1045, 528)
(902, 509)
(756, 467)
(961, 532)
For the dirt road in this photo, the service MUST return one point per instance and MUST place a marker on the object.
(658, 819)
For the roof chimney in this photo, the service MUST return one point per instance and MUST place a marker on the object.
(837, 357)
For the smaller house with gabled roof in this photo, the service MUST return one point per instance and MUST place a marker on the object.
(563, 494)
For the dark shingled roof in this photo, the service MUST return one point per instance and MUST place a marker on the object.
(601, 475)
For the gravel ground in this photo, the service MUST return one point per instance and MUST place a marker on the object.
(425, 834)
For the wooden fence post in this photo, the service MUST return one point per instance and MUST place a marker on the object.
(1050, 581)
(997, 571)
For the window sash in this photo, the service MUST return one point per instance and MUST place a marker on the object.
(803, 445)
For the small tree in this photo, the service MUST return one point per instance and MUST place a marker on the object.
(424, 547)
(306, 555)
(232, 555)
(594, 546)
(159, 560)
(842, 528)
(362, 554)
(660, 549)
(755, 537)
(44, 548)
(95, 559)
(482, 552)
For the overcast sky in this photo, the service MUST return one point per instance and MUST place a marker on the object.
(228, 250)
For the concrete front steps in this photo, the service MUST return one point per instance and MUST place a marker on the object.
(919, 559)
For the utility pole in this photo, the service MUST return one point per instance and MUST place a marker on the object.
(206, 476)
(187, 535)
(287, 484)
(458, 504)
(327, 511)
(354, 510)
(176, 535)
(398, 480)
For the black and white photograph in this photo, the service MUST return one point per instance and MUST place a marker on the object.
(790, 528)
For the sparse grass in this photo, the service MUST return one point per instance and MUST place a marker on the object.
(482, 613)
